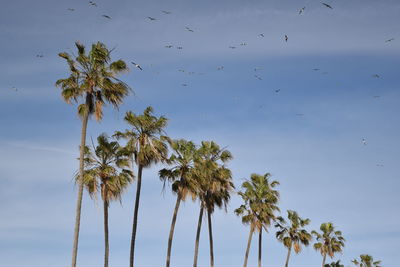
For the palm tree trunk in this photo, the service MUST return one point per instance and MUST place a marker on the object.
(135, 216)
(196, 247)
(211, 239)
(106, 244)
(78, 209)
(288, 256)
(323, 260)
(171, 231)
(246, 256)
(259, 247)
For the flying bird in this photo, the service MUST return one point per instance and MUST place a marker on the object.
(328, 6)
(166, 12)
(364, 141)
(376, 76)
(316, 69)
(136, 65)
(258, 77)
(179, 47)
(286, 38)
(184, 84)
(187, 28)
(106, 16)
(92, 3)
(71, 9)
(191, 72)
(302, 10)
(243, 44)
(151, 18)
(389, 40)
(257, 68)
(39, 55)
(261, 35)
(14, 88)
(181, 70)
(277, 90)
(220, 68)
(168, 46)
(232, 47)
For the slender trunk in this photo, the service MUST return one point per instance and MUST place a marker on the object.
(106, 244)
(323, 260)
(288, 256)
(135, 216)
(196, 247)
(246, 256)
(85, 120)
(171, 231)
(259, 247)
(211, 239)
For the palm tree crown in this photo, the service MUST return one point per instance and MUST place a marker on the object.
(94, 79)
(330, 241)
(293, 235)
(105, 169)
(260, 201)
(366, 261)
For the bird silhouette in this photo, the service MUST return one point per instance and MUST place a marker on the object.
(258, 77)
(39, 55)
(92, 3)
(137, 65)
(220, 68)
(168, 46)
(179, 47)
(364, 141)
(243, 44)
(106, 16)
(14, 88)
(376, 76)
(389, 40)
(190, 30)
(286, 38)
(184, 84)
(151, 18)
(232, 47)
(277, 90)
(328, 6)
(301, 10)
(71, 9)
(166, 12)
(261, 35)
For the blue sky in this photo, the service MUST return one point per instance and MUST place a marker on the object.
(326, 173)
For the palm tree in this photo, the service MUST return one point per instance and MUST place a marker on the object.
(180, 177)
(105, 170)
(366, 261)
(214, 184)
(92, 82)
(260, 204)
(148, 146)
(334, 264)
(293, 235)
(330, 241)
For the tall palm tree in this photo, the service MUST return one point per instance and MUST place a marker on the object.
(366, 261)
(92, 83)
(334, 264)
(105, 169)
(293, 235)
(214, 185)
(260, 204)
(148, 146)
(182, 159)
(330, 241)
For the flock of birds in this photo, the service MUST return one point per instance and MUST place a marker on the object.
(221, 68)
